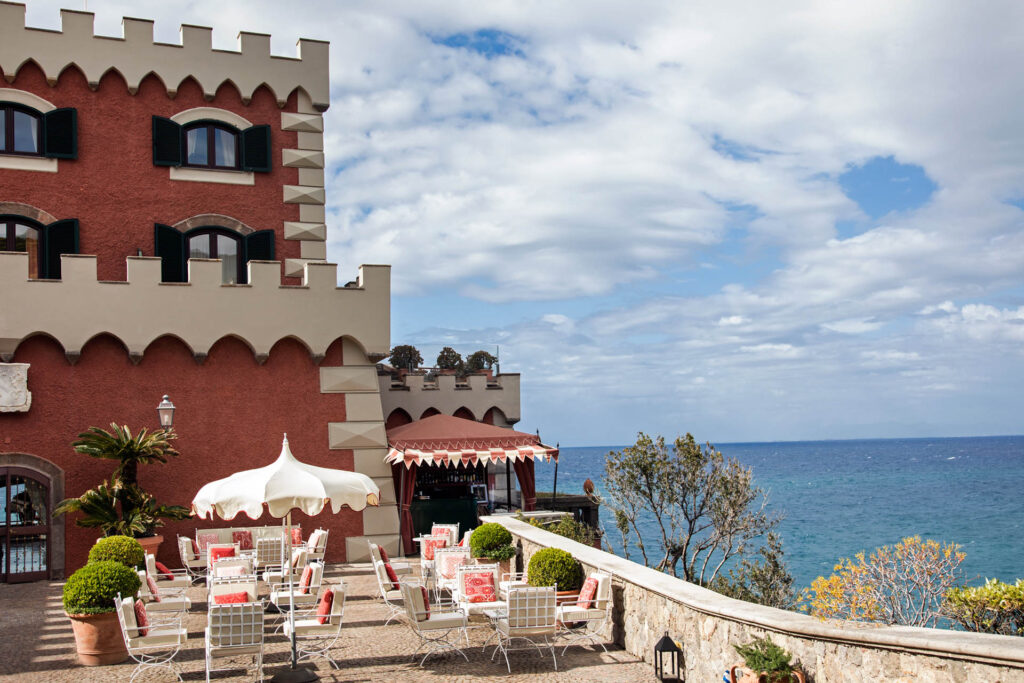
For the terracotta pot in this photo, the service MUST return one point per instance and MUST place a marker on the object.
(98, 639)
(503, 565)
(741, 674)
(150, 544)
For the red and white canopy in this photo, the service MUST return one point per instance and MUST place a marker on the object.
(446, 441)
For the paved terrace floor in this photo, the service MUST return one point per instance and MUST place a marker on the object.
(36, 644)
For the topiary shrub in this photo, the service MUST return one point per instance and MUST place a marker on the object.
(123, 549)
(94, 587)
(555, 567)
(761, 655)
(492, 541)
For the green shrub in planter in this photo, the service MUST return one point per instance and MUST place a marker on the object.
(123, 549)
(493, 541)
(94, 587)
(555, 567)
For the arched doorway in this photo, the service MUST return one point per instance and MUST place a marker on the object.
(25, 535)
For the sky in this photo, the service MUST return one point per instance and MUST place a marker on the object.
(749, 221)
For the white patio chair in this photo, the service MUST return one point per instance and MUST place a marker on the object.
(160, 644)
(464, 543)
(510, 580)
(391, 596)
(451, 529)
(298, 562)
(230, 566)
(435, 624)
(161, 601)
(233, 585)
(282, 597)
(193, 562)
(235, 630)
(316, 544)
(315, 639)
(212, 556)
(179, 577)
(400, 568)
(531, 616)
(268, 554)
(476, 604)
(446, 568)
(584, 619)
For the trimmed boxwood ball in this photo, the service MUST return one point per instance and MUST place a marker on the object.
(94, 587)
(123, 549)
(555, 567)
(493, 541)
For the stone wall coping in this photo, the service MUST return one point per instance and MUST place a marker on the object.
(1003, 650)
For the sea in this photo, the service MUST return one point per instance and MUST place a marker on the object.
(839, 498)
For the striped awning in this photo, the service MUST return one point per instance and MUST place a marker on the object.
(445, 441)
(469, 456)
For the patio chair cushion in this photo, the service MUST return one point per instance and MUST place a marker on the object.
(170, 605)
(307, 576)
(479, 587)
(587, 593)
(296, 536)
(323, 610)
(432, 543)
(220, 553)
(503, 626)
(392, 576)
(232, 570)
(450, 562)
(154, 592)
(570, 613)
(160, 637)
(141, 618)
(243, 539)
(443, 620)
(394, 596)
(314, 539)
(228, 598)
(164, 570)
(206, 539)
(309, 627)
(383, 554)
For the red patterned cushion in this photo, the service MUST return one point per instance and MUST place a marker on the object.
(587, 593)
(233, 570)
(450, 564)
(323, 611)
(152, 588)
(164, 571)
(383, 554)
(438, 530)
(207, 539)
(392, 576)
(243, 539)
(141, 618)
(195, 548)
(307, 576)
(296, 536)
(426, 604)
(219, 553)
(228, 598)
(479, 586)
(432, 543)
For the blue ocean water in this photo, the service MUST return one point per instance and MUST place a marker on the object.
(843, 497)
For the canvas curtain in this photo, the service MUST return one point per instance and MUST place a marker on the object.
(405, 485)
(527, 482)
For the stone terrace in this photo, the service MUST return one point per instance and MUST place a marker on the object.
(36, 644)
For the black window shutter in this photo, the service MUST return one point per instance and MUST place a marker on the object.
(259, 246)
(167, 143)
(60, 133)
(59, 237)
(170, 247)
(256, 149)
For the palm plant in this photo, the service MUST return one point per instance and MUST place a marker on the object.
(122, 506)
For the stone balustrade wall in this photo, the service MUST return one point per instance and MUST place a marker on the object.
(648, 603)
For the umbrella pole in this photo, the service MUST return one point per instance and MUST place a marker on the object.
(401, 514)
(294, 674)
(508, 485)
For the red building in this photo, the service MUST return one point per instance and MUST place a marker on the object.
(162, 232)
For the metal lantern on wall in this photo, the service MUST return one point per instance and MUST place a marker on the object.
(667, 659)
(166, 412)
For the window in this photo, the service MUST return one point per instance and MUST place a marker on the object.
(43, 243)
(25, 131)
(232, 248)
(211, 145)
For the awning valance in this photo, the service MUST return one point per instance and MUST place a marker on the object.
(446, 441)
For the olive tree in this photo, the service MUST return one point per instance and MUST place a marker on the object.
(706, 509)
(449, 359)
(406, 357)
(480, 360)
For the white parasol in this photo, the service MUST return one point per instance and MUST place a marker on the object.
(283, 486)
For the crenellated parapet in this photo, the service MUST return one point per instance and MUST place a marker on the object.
(446, 394)
(135, 55)
(201, 311)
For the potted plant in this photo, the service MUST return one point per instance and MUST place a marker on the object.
(556, 567)
(122, 507)
(492, 543)
(123, 549)
(89, 602)
(765, 662)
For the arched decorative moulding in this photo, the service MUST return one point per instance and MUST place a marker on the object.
(464, 413)
(28, 211)
(214, 219)
(294, 338)
(54, 477)
(175, 338)
(135, 55)
(26, 98)
(215, 113)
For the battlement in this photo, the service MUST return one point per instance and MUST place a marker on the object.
(135, 55)
(78, 307)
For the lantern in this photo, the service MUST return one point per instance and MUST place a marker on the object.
(166, 412)
(667, 656)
